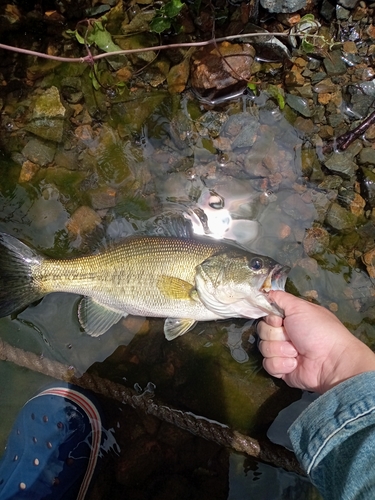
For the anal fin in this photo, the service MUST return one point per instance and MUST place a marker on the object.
(95, 318)
(174, 327)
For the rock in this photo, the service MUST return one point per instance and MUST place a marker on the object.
(357, 205)
(294, 77)
(209, 69)
(305, 125)
(339, 218)
(83, 221)
(299, 104)
(283, 5)
(368, 185)
(316, 241)
(349, 4)
(367, 155)
(242, 129)
(38, 152)
(369, 261)
(342, 14)
(47, 119)
(342, 164)
(178, 76)
(294, 206)
(28, 170)
(334, 65)
(331, 182)
(322, 202)
(103, 198)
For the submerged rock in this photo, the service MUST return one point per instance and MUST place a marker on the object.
(316, 241)
(39, 152)
(47, 119)
(339, 218)
(83, 221)
(28, 170)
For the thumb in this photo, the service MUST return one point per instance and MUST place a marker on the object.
(286, 301)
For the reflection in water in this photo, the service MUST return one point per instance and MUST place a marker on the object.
(249, 479)
(55, 317)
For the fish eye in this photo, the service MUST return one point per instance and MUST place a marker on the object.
(256, 263)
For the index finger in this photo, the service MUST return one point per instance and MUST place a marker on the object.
(269, 332)
(273, 320)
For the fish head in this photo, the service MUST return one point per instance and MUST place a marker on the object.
(236, 284)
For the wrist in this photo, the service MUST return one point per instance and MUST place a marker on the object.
(354, 361)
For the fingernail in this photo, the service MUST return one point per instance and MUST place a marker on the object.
(290, 363)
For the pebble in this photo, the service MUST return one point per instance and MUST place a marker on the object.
(83, 221)
(369, 261)
(28, 171)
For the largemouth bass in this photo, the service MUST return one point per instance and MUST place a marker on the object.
(182, 280)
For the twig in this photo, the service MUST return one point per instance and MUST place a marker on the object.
(344, 141)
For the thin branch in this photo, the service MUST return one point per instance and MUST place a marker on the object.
(90, 58)
(344, 141)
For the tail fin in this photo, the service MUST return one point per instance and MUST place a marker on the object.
(17, 286)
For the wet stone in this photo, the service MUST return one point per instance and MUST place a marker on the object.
(339, 218)
(283, 5)
(294, 206)
(305, 125)
(49, 105)
(360, 104)
(342, 164)
(331, 182)
(368, 185)
(322, 202)
(210, 71)
(367, 155)
(369, 261)
(83, 221)
(299, 104)
(342, 14)
(103, 198)
(316, 241)
(28, 170)
(38, 152)
(334, 65)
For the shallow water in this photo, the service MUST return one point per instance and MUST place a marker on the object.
(178, 163)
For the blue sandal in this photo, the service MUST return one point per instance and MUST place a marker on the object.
(53, 448)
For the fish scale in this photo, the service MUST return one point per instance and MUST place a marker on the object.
(183, 280)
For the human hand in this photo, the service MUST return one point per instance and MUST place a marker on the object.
(310, 348)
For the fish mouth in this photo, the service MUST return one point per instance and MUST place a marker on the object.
(276, 279)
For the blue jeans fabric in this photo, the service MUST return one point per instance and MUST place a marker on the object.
(334, 440)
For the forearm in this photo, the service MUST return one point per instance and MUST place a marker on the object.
(334, 439)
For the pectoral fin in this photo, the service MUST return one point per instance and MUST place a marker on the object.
(174, 288)
(174, 327)
(95, 318)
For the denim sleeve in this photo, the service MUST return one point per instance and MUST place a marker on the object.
(334, 440)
